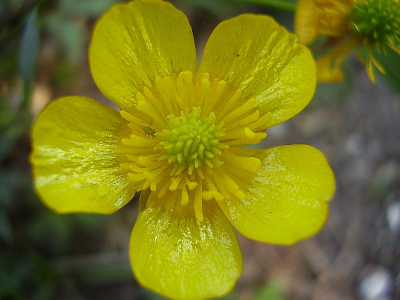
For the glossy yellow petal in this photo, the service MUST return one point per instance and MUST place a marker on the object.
(287, 199)
(262, 59)
(76, 157)
(306, 20)
(134, 43)
(177, 256)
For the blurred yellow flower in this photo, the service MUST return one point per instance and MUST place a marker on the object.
(359, 25)
(179, 138)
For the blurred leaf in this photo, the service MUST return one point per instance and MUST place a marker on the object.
(89, 222)
(90, 8)
(231, 296)
(56, 231)
(385, 180)
(64, 73)
(117, 272)
(46, 278)
(12, 181)
(69, 35)
(13, 3)
(52, 230)
(11, 129)
(148, 295)
(221, 8)
(64, 25)
(14, 269)
(8, 293)
(64, 6)
(8, 138)
(6, 232)
(330, 94)
(29, 52)
(272, 291)
(391, 65)
(289, 5)
(45, 291)
(8, 62)
(26, 275)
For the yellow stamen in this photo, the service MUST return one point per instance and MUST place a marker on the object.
(181, 132)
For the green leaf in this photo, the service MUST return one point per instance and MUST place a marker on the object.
(289, 5)
(14, 269)
(221, 8)
(11, 129)
(69, 35)
(8, 139)
(29, 53)
(272, 291)
(46, 278)
(6, 232)
(52, 229)
(391, 65)
(90, 8)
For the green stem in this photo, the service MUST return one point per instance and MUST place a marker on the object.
(280, 4)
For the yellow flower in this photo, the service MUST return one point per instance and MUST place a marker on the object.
(359, 25)
(179, 138)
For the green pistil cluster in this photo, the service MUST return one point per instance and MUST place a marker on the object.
(191, 141)
(377, 22)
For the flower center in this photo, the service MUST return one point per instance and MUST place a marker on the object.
(187, 139)
(192, 142)
(377, 22)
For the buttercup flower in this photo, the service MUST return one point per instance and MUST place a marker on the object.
(180, 138)
(359, 25)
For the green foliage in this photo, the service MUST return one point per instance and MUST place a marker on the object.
(271, 291)
(10, 181)
(10, 129)
(26, 275)
(391, 64)
(68, 34)
(221, 8)
(57, 231)
(87, 8)
(330, 94)
(67, 28)
(289, 5)
(385, 181)
(29, 53)
(228, 8)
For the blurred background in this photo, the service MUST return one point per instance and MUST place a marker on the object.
(43, 55)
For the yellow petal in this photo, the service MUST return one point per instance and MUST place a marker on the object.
(134, 43)
(177, 256)
(287, 198)
(328, 71)
(306, 21)
(263, 60)
(329, 65)
(76, 164)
